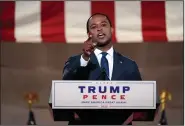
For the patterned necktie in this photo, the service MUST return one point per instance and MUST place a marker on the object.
(105, 65)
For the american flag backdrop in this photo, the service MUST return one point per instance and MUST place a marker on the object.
(65, 21)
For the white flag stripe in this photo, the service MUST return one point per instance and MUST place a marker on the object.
(174, 20)
(28, 21)
(128, 21)
(76, 15)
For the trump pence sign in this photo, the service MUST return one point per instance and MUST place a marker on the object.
(103, 94)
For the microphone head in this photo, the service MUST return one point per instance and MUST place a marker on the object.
(94, 44)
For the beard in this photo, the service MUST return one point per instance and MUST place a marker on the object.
(102, 44)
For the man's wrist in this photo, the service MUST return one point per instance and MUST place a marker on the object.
(83, 62)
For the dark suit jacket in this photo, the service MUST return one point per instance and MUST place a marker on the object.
(123, 69)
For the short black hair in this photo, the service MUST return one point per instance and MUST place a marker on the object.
(87, 25)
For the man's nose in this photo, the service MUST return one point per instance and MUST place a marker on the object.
(99, 28)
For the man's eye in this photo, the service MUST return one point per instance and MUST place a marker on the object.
(93, 27)
(104, 25)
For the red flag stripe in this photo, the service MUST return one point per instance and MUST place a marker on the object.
(7, 21)
(52, 21)
(153, 21)
(160, 21)
(99, 7)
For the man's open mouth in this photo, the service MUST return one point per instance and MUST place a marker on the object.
(101, 35)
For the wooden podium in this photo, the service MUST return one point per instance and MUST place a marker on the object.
(99, 116)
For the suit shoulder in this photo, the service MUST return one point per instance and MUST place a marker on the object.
(126, 58)
(74, 57)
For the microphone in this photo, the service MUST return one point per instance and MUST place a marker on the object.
(103, 75)
(94, 44)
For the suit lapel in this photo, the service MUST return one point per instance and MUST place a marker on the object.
(117, 66)
(95, 68)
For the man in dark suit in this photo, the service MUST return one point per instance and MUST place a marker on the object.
(99, 55)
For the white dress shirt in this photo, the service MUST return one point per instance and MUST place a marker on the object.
(98, 55)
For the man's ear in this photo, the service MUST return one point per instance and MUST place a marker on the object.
(89, 34)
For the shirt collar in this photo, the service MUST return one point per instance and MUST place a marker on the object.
(98, 52)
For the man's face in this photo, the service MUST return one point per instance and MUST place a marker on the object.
(100, 29)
